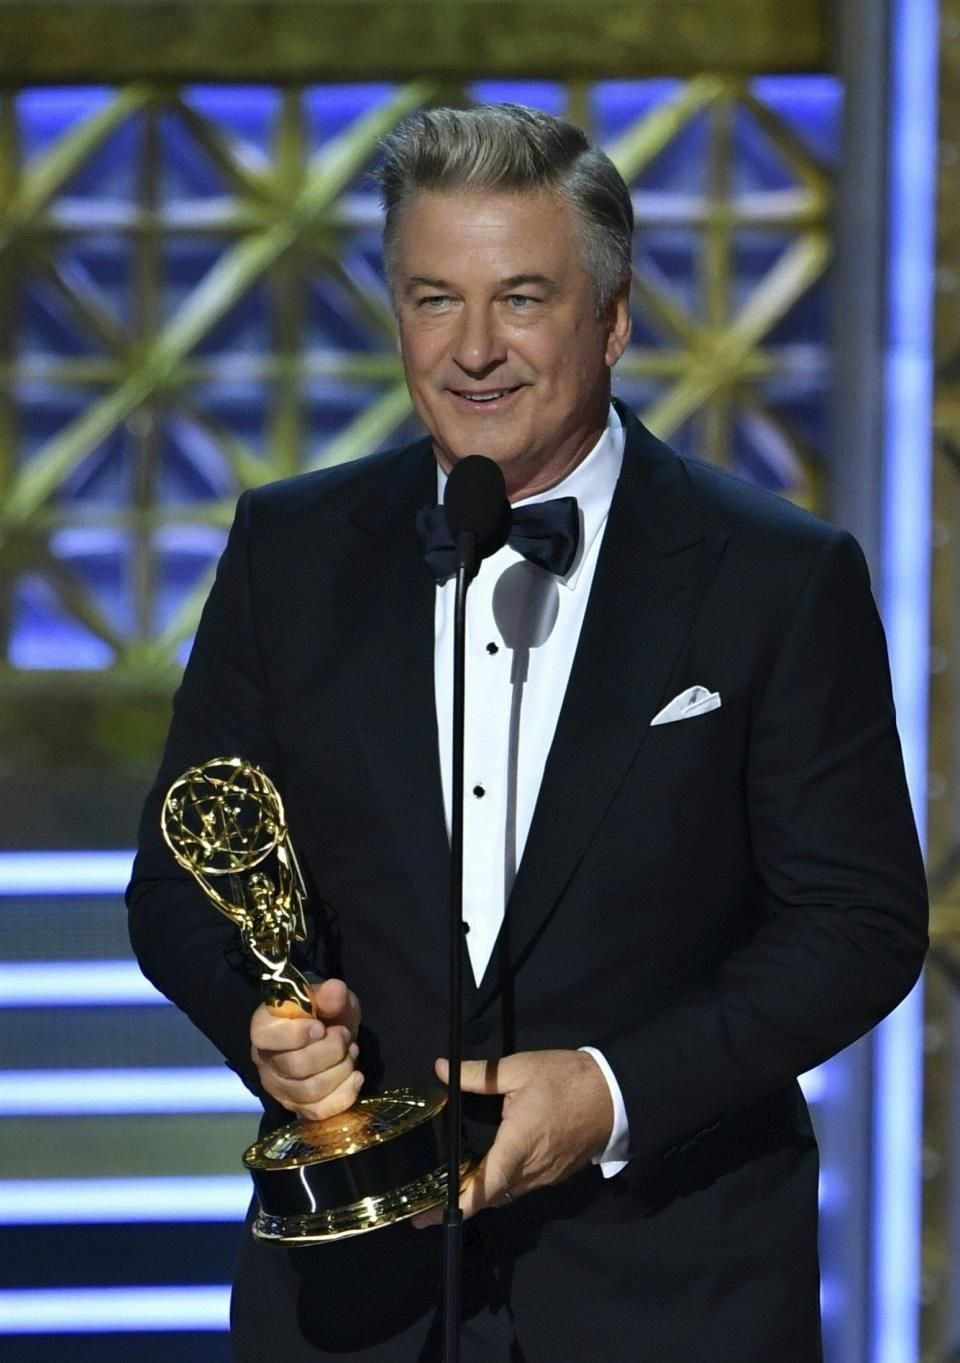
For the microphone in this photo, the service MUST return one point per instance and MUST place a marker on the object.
(479, 520)
(476, 510)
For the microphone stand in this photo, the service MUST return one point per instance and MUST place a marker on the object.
(452, 1215)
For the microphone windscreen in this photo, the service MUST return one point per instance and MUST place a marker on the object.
(475, 498)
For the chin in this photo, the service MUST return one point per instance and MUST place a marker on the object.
(503, 441)
(507, 459)
(460, 444)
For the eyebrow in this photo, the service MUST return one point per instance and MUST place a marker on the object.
(417, 280)
(516, 280)
(512, 282)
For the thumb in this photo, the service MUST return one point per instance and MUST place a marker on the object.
(336, 1005)
(478, 1076)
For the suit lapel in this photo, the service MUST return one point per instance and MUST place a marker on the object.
(655, 565)
(386, 626)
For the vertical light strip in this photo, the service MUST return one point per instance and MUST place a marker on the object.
(905, 584)
(905, 590)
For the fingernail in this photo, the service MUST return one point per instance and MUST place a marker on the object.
(317, 1031)
(354, 1050)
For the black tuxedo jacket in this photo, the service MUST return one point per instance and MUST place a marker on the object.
(718, 904)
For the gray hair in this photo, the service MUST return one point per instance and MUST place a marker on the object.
(508, 147)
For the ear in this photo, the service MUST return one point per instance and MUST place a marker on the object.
(619, 324)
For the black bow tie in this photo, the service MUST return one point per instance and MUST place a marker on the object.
(546, 533)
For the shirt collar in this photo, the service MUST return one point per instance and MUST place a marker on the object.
(592, 482)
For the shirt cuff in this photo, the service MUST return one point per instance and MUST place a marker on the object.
(613, 1158)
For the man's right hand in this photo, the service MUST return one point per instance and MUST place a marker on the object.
(308, 1064)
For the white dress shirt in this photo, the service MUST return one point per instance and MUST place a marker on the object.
(523, 624)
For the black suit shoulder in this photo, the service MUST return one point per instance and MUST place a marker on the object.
(779, 546)
(338, 491)
(679, 497)
(771, 549)
(740, 507)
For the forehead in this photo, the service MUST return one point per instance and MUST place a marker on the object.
(478, 231)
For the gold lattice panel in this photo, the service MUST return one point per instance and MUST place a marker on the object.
(138, 314)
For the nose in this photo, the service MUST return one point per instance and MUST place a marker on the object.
(478, 346)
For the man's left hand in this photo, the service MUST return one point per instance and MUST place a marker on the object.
(557, 1115)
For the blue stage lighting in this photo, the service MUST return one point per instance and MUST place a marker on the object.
(99, 1201)
(108, 1310)
(76, 1093)
(71, 984)
(905, 603)
(43, 873)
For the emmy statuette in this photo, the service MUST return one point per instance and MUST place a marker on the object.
(316, 1181)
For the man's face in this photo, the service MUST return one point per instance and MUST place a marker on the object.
(502, 348)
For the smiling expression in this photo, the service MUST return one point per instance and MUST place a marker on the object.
(502, 348)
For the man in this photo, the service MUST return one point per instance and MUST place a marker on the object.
(691, 867)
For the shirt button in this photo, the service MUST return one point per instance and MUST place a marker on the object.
(479, 792)
(466, 926)
(492, 648)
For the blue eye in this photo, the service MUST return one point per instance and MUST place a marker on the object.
(519, 301)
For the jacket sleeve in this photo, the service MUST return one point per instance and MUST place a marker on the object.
(185, 946)
(842, 932)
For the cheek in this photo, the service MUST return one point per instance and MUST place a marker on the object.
(542, 354)
(570, 357)
(590, 353)
(421, 353)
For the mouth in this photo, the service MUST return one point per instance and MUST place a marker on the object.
(483, 399)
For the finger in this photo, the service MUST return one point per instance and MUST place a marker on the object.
(301, 1094)
(330, 997)
(335, 1003)
(490, 1186)
(340, 1100)
(497, 1181)
(306, 1061)
(479, 1076)
(432, 1217)
(319, 1030)
(271, 1033)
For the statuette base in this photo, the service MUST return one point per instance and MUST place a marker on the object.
(381, 1161)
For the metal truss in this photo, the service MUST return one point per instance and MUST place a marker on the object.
(192, 303)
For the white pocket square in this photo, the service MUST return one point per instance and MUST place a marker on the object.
(696, 700)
